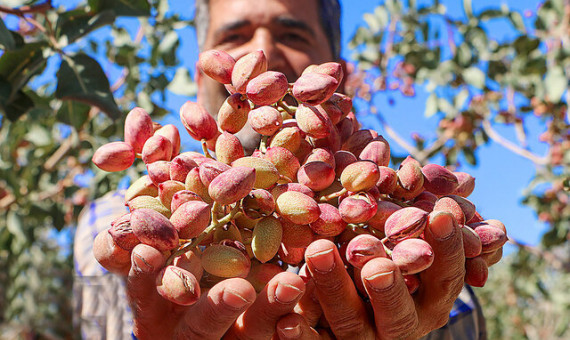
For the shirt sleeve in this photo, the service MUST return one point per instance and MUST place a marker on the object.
(100, 305)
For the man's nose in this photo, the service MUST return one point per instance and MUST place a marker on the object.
(264, 40)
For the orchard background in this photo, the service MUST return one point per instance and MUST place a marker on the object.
(480, 86)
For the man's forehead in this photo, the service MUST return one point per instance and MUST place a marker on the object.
(224, 12)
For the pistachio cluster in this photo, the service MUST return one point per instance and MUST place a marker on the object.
(315, 175)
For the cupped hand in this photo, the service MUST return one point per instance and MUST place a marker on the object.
(392, 312)
(231, 309)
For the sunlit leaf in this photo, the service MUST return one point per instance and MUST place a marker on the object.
(15, 225)
(77, 23)
(474, 76)
(556, 83)
(73, 113)
(182, 84)
(517, 21)
(431, 105)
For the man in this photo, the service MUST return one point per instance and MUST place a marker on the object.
(292, 38)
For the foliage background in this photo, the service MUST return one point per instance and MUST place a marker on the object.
(70, 70)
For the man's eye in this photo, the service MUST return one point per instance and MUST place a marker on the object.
(293, 38)
(233, 39)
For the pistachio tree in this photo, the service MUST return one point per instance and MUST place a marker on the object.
(68, 75)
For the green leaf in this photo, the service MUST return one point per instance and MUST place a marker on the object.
(431, 105)
(18, 66)
(39, 135)
(13, 105)
(517, 21)
(15, 225)
(461, 98)
(182, 83)
(556, 83)
(525, 44)
(464, 56)
(73, 113)
(82, 79)
(445, 106)
(132, 8)
(469, 156)
(468, 8)
(6, 38)
(77, 23)
(475, 77)
(491, 14)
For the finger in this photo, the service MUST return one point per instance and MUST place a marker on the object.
(217, 311)
(277, 298)
(326, 334)
(394, 309)
(476, 271)
(443, 280)
(152, 315)
(294, 326)
(342, 306)
(308, 306)
(493, 257)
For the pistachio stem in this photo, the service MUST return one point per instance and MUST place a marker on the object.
(386, 249)
(263, 144)
(395, 201)
(289, 109)
(205, 149)
(214, 211)
(329, 197)
(210, 229)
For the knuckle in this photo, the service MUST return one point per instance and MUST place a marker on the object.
(348, 325)
(402, 329)
(452, 287)
(441, 321)
(331, 286)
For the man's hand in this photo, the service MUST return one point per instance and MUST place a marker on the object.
(394, 313)
(231, 309)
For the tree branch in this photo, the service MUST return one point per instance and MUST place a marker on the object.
(58, 155)
(550, 257)
(396, 137)
(496, 137)
(39, 8)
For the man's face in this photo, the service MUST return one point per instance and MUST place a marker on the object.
(288, 31)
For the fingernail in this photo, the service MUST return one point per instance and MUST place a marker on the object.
(441, 227)
(322, 261)
(233, 299)
(285, 293)
(291, 332)
(381, 280)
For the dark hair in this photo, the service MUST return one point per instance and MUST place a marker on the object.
(329, 13)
